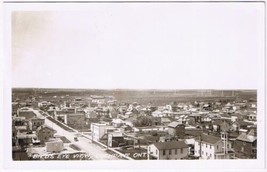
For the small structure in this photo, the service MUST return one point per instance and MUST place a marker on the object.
(176, 129)
(245, 145)
(191, 145)
(117, 122)
(115, 139)
(168, 150)
(26, 112)
(99, 130)
(212, 147)
(54, 145)
(36, 122)
(44, 133)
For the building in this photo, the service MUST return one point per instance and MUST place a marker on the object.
(26, 112)
(98, 99)
(245, 145)
(176, 129)
(191, 145)
(252, 117)
(99, 130)
(212, 147)
(168, 150)
(44, 133)
(35, 122)
(115, 139)
(117, 122)
(24, 138)
(76, 120)
(54, 145)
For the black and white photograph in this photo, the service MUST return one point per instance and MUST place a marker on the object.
(177, 82)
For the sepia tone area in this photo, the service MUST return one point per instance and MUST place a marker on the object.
(124, 124)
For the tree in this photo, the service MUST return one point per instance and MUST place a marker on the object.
(143, 121)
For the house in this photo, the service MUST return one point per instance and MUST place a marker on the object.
(176, 129)
(156, 121)
(35, 122)
(219, 125)
(242, 124)
(245, 145)
(117, 122)
(252, 117)
(191, 146)
(77, 120)
(194, 118)
(98, 99)
(44, 133)
(54, 145)
(113, 112)
(25, 138)
(90, 114)
(157, 114)
(43, 104)
(99, 130)
(15, 107)
(19, 121)
(212, 147)
(115, 139)
(167, 150)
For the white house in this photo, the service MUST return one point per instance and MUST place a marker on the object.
(99, 130)
(211, 147)
(168, 150)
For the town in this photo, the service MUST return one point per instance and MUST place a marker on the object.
(51, 124)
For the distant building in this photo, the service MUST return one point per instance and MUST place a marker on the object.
(245, 145)
(76, 120)
(98, 99)
(168, 150)
(252, 117)
(176, 129)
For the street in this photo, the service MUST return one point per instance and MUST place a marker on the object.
(94, 151)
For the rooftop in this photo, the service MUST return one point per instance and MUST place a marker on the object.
(170, 145)
(209, 138)
(246, 137)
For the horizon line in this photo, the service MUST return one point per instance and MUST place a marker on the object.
(209, 89)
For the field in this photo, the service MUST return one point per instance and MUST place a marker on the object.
(145, 97)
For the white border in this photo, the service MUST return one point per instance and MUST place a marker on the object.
(218, 165)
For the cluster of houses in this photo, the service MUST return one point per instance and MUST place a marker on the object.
(31, 136)
(193, 130)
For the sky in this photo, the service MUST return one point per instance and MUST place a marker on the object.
(139, 45)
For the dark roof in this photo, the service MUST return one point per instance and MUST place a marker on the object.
(210, 139)
(170, 145)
